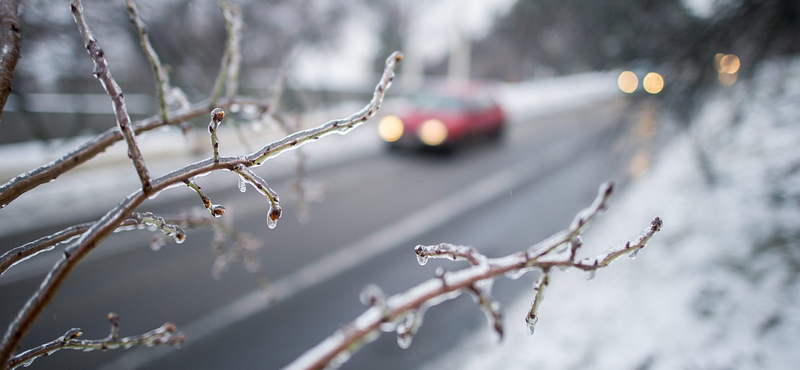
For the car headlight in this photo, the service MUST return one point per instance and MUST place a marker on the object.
(390, 128)
(433, 132)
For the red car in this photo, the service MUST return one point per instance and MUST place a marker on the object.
(443, 118)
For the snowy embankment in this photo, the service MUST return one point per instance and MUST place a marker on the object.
(717, 288)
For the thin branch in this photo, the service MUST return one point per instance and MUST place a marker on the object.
(215, 209)
(235, 26)
(340, 126)
(579, 223)
(216, 118)
(88, 150)
(159, 223)
(403, 312)
(449, 251)
(165, 335)
(229, 65)
(89, 240)
(40, 245)
(102, 72)
(10, 41)
(257, 182)
(48, 243)
(162, 81)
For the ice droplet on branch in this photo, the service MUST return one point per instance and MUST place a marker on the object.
(590, 274)
(422, 260)
(242, 184)
(273, 215)
(531, 321)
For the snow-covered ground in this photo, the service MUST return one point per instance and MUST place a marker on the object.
(717, 288)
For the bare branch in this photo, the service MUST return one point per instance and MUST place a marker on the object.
(579, 223)
(159, 223)
(257, 182)
(40, 245)
(165, 335)
(341, 126)
(231, 59)
(533, 315)
(403, 312)
(216, 210)
(162, 81)
(88, 150)
(216, 118)
(10, 42)
(89, 240)
(47, 243)
(102, 72)
(449, 251)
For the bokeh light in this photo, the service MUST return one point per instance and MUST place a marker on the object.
(653, 83)
(628, 82)
(433, 132)
(729, 64)
(390, 128)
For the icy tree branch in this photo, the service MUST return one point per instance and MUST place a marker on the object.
(102, 72)
(90, 239)
(46, 173)
(165, 335)
(216, 210)
(403, 312)
(216, 118)
(340, 125)
(10, 42)
(47, 243)
(162, 81)
(232, 58)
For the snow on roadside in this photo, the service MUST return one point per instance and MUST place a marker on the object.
(717, 288)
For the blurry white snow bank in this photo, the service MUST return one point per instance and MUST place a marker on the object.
(717, 287)
(532, 99)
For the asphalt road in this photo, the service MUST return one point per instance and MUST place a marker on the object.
(500, 198)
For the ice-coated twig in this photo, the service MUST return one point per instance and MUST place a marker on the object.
(215, 209)
(42, 244)
(102, 72)
(88, 150)
(257, 182)
(340, 125)
(162, 81)
(165, 335)
(159, 223)
(539, 287)
(46, 243)
(89, 240)
(235, 26)
(407, 307)
(579, 223)
(449, 251)
(10, 42)
(629, 248)
(216, 118)
(491, 308)
(231, 59)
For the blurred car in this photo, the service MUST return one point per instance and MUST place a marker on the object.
(439, 118)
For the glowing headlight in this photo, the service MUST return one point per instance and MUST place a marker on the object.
(390, 128)
(433, 132)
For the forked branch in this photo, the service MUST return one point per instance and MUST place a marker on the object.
(403, 313)
(90, 239)
(102, 72)
(165, 335)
